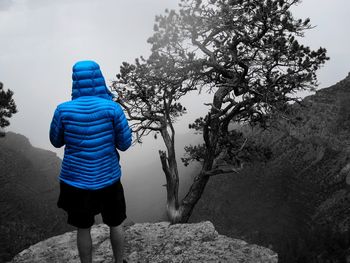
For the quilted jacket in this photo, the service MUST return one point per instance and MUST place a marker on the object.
(92, 127)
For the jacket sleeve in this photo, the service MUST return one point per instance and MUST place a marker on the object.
(56, 130)
(122, 131)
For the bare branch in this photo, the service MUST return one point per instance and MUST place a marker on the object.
(225, 170)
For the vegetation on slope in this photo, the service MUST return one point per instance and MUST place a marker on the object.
(296, 202)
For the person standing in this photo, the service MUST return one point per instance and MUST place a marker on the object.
(93, 128)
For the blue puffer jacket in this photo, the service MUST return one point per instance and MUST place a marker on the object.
(91, 126)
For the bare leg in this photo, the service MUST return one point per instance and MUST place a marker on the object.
(84, 243)
(117, 242)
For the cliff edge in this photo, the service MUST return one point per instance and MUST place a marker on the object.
(153, 242)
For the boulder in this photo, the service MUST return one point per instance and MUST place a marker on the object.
(153, 242)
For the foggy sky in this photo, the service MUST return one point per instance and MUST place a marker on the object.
(42, 39)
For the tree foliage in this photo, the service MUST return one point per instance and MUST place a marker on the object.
(7, 106)
(245, 53)
(150, 90)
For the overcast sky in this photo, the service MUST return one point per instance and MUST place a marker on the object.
(42, 39)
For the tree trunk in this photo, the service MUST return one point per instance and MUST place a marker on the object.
(211, 135)
(180, 213)
(192, 197)
(169, 166)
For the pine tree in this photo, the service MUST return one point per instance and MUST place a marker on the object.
(7, 106)
(246, 54)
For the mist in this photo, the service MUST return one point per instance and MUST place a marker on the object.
(41, 40)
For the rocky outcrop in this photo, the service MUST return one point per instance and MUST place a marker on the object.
(153, 242)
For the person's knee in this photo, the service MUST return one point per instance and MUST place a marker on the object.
(116, 233)
(118, 229)
(83, 235)
(84, 230)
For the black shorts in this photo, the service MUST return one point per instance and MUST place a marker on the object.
(82, 205)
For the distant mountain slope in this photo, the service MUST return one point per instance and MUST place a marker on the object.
(28, 195)
(298, 201)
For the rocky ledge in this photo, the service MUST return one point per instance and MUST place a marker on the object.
(153, 242)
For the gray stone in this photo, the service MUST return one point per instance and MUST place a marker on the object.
(153, 242)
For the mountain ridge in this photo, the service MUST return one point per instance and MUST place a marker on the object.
(296, 202)
(28, 195)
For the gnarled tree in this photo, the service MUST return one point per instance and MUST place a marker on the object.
(245, 53)
(149, 91)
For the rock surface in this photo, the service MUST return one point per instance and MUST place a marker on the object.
(153, 242)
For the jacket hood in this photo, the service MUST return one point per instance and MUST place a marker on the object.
(89, 81)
